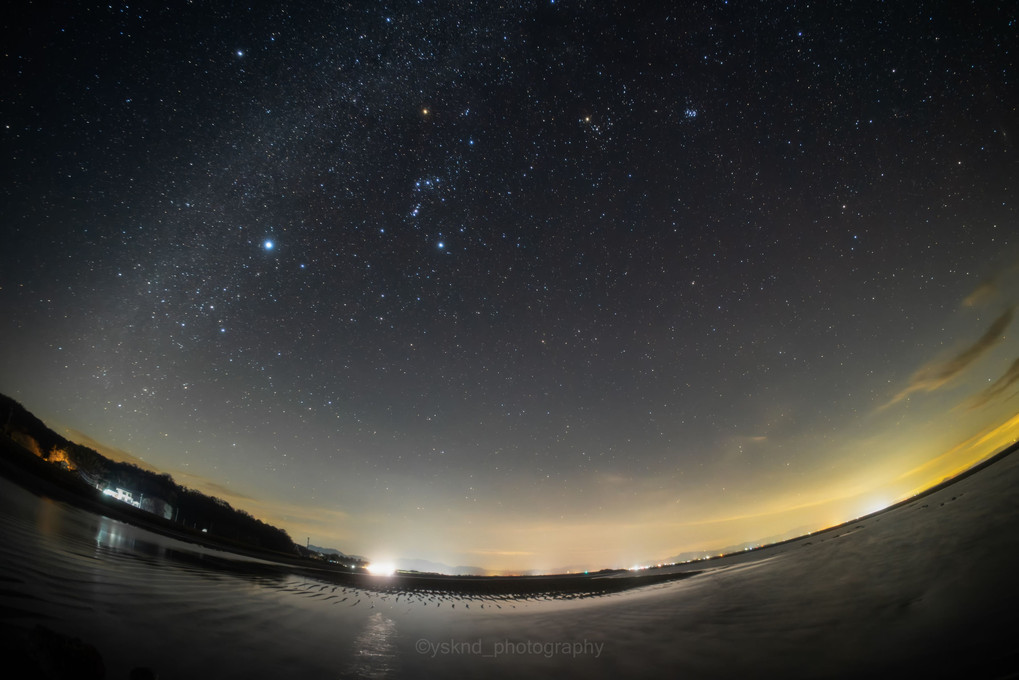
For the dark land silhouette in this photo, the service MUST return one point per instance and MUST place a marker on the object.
(42, 461)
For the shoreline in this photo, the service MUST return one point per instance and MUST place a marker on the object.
(863, 600)
(42, 478)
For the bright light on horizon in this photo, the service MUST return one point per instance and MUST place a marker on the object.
(381, 569)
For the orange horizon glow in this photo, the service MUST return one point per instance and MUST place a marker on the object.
(729, 530)
(951, 413)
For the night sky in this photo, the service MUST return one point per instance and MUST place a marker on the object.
(518, 285)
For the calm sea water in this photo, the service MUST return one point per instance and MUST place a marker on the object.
(930, 588)
(143, 599)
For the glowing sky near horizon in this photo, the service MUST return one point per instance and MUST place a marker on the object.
(530, 285)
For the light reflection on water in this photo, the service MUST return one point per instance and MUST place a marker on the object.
(144, 600)
(47, 519)
(375, 648)
(938, 573)
(110, 534)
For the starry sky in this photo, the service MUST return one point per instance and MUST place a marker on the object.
(524, 285)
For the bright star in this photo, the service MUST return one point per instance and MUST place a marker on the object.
(441, 245)
(268, 245)
(240, 53)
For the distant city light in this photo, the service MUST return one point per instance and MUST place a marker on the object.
(381, 569)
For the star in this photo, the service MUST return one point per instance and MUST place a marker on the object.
(625, 222)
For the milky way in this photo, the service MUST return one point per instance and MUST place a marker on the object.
(524, 284)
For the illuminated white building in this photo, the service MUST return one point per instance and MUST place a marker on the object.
(122, 495)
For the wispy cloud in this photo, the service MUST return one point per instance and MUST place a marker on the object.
(273, 511)
(935, 374)
(1011, 377)
(208, 486)
(1002, 284)
(984, 292)
(111, 452)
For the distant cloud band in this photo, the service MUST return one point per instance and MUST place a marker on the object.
(1011, 377)
(934, 375)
